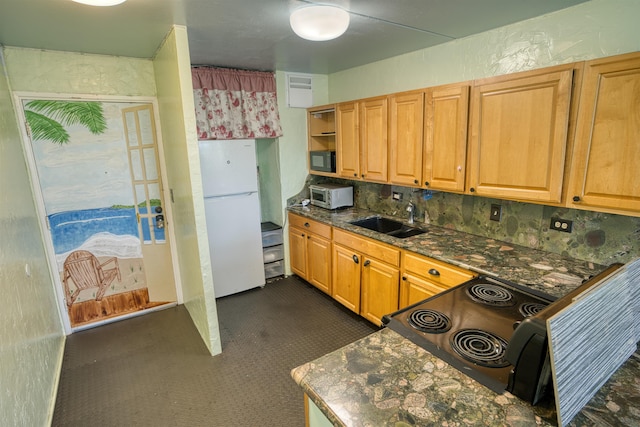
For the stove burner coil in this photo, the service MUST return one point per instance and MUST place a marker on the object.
(529, 309)
(489, 294)
(480, 347)
(430, 321)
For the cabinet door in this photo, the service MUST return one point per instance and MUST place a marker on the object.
(298, 251)
(519, 128)
(607, 147)
(379, 290)
(346, 277)
(348, 143)
(319, 263)
(373, 139)
(414, 289)
(406, 119)
(446, 122)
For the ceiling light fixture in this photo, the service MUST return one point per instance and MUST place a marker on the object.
(100, 2)
(319, 23)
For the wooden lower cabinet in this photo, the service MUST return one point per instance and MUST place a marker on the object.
(379, 292)
(346, 277)
(424, 277)
(365, 275)
(310, 251)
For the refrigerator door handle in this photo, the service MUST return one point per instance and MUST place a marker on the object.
(228, 196)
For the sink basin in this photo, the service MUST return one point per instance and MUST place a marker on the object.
(406, 232)
(379, 224)
(389, 227)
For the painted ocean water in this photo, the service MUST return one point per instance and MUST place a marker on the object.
(103, 232)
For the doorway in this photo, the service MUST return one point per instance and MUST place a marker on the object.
(95, 168)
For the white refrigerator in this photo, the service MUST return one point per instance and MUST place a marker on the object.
(232, 209)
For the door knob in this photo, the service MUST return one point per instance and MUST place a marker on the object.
(355, 259)
(159, 221)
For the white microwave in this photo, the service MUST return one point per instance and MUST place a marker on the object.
(331, 196)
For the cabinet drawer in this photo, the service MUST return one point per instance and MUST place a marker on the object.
(310, 225)
(436, 271)
(274, 253)
(369, 247)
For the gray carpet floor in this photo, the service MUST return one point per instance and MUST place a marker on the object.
(154, 370)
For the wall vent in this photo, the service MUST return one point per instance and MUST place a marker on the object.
(299, 90)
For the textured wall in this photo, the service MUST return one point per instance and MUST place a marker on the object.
(44, 71)
(178, 123)
(31, 333)
(590, 30)
(269, 180)
(293, 144)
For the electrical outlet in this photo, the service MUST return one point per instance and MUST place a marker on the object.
(396, 196)
(560, 224)
(496, 213)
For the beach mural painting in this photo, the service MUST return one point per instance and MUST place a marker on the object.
(86, 175)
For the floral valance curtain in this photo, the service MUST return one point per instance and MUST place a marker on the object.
(235, 104)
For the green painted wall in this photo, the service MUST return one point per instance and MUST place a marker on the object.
(31, 332)
(293, 144)
(172, 69)
(590, 30)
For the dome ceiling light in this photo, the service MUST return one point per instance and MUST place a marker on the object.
(100, 2)
(319, 23)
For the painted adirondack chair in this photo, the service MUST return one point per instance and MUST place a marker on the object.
(85, 271)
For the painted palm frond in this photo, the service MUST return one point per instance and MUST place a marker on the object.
(65, 113)
(42, 127)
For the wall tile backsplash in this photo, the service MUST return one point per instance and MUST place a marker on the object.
(599, 237)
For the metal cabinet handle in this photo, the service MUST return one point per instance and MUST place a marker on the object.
(306, 224)
(434, 272)
(404, 277)
(355, 259)
(576, 198)
(426, 183)
(472, 190)
(366, 263)
(415, 181)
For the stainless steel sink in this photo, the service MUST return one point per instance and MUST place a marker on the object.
(388, 226)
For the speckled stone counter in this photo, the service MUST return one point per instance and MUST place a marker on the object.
(543, 271)
(386, 380)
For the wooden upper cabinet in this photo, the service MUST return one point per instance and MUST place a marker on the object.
(519, 127)
(446, 123)
(373, 139)
(348, 142)
(406, 117)
(604, 172)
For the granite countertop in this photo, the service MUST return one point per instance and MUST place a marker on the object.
(550, 273)
(386, 380)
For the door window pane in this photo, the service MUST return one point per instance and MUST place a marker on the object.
(132, 136)
(150, 163)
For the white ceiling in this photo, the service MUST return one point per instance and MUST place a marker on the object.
(255, 34)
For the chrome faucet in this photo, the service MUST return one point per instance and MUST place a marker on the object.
(411, 208)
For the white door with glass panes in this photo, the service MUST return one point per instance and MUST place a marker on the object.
(96, 172)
